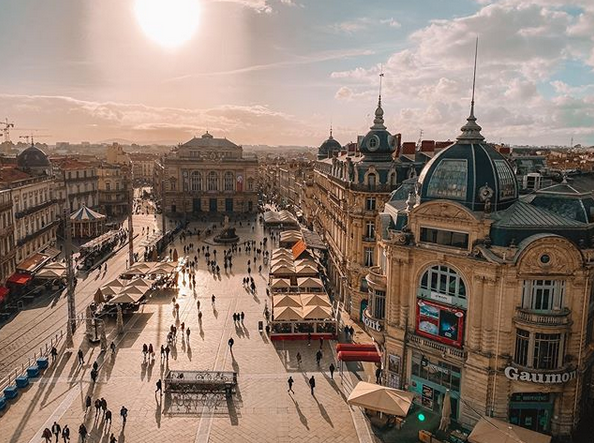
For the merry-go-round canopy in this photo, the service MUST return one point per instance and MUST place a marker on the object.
(86, 214)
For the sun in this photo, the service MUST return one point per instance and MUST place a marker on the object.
(169, 23)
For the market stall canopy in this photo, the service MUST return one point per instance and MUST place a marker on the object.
(305, 262)
(283, 270)
(124, 298)
(86, 214)
(316, 300)
(381, 398)
(116, 283)
(313, 240)
(306, 270)
(491, 430)
(282, 301)
(310, 283)
(287, 236)
(140, 268)
(280, 283)
(281, 262)
(164, 268)
(52, 270)
(317, 312)
(282, 252)
(288, 313)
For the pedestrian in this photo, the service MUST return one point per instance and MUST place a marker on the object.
(332, 369)
(200, 316)
(93, 375)
(87, 403)
(234, 317)
(54, 353)
(318, 357)
(183, 326)
(298, 359)
(66, 433)
(82, 431)
(97, 406)
(108, 416)
(242, 316)
(95, 365)
(167, 350)
(112, 346)
(290, 382)
(312, 384)
(81, 359)
(56, 430)
(47, 434)
(112, 439)
(188, 333)
(144, 350)
(124, 414)
(162, 352)
(213, 299)
(230, 343)
(103, 406)
(321, 342)
(198, 304)
(159, 387)
(378, 375)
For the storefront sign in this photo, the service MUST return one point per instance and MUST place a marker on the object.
(562, 377)
(431, 367)
(372, 324)
(394, 363)
(441, 297)
(427, 397)
(441, 323)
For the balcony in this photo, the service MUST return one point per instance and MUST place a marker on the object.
(35, 234)
(376, 278)
(422, 343)
(5, 205)
(32, 209)
(554, 318)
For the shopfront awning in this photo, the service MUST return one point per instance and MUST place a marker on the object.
(33, 263)
(372, 356)
(20, 279)
(491, 430)
(381, 398)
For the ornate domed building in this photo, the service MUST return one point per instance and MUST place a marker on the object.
(34, 160)
(329, 148)
(485, 294)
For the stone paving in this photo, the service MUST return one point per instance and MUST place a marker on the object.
(261, 411)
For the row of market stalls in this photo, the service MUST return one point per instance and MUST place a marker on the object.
(279, 219)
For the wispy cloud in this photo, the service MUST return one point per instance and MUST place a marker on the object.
(363, 23)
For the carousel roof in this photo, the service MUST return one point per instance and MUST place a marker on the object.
(86, 214)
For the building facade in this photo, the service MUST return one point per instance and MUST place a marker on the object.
(7, 243)
(114, 187)
(485, 293)
(209, 175)
(78, 180)
(143, 166)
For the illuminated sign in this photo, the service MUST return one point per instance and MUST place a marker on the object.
(371, 323)
(534, 377)
(441, 323)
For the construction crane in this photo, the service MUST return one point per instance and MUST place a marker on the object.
(32, 138)
(6, 125)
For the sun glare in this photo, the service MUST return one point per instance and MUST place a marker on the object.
(170, 23)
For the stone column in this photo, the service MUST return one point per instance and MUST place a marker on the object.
(474, 313)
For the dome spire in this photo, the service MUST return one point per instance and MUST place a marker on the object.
(378, 121)
(471, 131)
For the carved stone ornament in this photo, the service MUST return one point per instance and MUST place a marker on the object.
(401, 238)
(445, 210)
(552, 255)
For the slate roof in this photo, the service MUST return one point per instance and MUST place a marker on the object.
(524, 215)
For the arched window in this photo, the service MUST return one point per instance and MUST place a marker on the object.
(213, 179)
(371, 180)
(250, 184)
(443, 284)
(229, 181)
(196, 181)
(392, 179)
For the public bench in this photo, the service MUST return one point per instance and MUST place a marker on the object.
(194, 382)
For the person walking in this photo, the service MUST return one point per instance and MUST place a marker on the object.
(230, 343)
(298, 359)
(378, 375)
(198, 304)
(144, 351)
(82, 431)
(93, 375)
(56, 430)
(213, 298)
(103, 406)
(47, 434)
(159, 387)
(321, 342)
(167, 350)
(312, 384)
(97, 406)
(234, 317)
(242, 315)
(113, 439)
(162, 352)
(200, 316)
(88, 402)
(124, 414)
(188, 333)
(81, 357)
(108, 416)
(151, 351)
(112, 346)
(290, 382)
(318, 357)
(66, 434)
(332, 369)
(54, 353)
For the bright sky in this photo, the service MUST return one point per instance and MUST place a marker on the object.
(279, 72)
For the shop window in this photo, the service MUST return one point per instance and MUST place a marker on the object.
(543, 295)
(538, 350)
(445, 238)
(445, 281)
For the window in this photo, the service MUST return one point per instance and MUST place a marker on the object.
(250, 184)
(370, 230)
(229, 181)
(449, 180)
(371, 181)
(445, 238)
(538, 350)
(543, 295)
(507, 180)
(213, 178)
(368, 257)
(444, 284)
(392, 179)
(370, 204)
(108, 186)
(196, 181)
(379, 304)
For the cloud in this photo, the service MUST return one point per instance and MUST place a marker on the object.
(363, 23)
(523, 45)
(93, 121)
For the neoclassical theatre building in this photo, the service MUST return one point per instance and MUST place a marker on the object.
(209, 174)
(486, 293)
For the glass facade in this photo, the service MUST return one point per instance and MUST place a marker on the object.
(449, 180)
(539, 351)
(445, 238)
(443, 280)
(507, 181)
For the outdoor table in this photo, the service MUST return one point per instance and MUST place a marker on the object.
(42, 363)
(10, 392)
(33, 372)
(22, 381)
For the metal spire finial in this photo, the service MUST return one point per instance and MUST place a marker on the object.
(378, 121)
(471, 131)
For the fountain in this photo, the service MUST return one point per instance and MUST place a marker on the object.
(227, 235)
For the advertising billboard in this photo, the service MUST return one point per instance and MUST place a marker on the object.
(441, 323)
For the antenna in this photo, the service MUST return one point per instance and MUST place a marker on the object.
(6, 129)
(474, 76)
(381, 77)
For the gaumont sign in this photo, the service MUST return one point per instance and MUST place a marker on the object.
(372, 324)
(561, 377)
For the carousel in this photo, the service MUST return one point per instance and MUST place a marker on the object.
(87, 223)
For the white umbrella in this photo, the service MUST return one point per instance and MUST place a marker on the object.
(381, 398)
(446, 411)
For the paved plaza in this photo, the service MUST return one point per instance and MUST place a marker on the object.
(261, 411)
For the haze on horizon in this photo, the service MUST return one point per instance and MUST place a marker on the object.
(280, 72)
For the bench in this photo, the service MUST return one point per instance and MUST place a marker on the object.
(193, 382)
(10, 392)
(22, 381)
(32, 372)
(42, 363)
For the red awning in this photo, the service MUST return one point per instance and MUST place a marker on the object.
(3, 293)
(20, 279)
(359, 356)
(370, 347)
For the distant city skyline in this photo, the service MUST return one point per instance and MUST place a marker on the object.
(280, 72)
